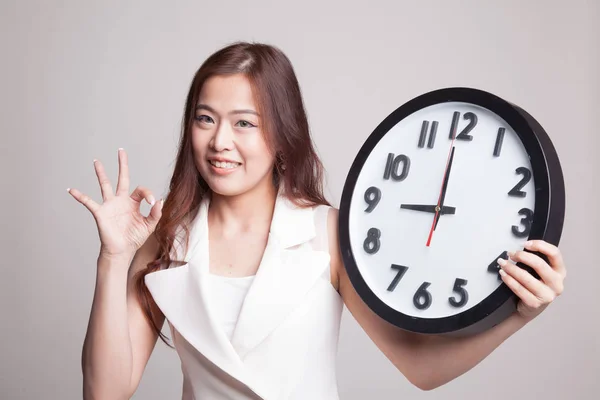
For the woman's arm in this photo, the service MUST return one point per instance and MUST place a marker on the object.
(442, 359)
(426, 361)
(119, 339)
(429, 361)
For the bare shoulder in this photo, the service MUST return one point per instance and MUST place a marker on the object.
(334, 248)
(339, 276)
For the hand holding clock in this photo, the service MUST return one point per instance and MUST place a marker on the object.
(535, 295)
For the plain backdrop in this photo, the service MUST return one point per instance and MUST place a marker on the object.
(78, 79)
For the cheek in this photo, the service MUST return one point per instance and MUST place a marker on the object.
(199, 142)
(255, 149)
(199, 148)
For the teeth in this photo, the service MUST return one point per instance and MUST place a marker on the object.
(220, 164)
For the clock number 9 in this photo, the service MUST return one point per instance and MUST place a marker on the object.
(372, 197)
(527, 220)
(371, 243)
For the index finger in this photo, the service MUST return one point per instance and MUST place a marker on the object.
(123, 183)
(554, 255)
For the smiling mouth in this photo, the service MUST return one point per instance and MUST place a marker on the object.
(224, 164)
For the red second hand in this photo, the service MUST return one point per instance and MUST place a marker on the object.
(438, 210)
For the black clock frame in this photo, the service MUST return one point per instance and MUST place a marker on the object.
(547, 223)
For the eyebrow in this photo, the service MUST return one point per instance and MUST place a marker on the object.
(208, 108)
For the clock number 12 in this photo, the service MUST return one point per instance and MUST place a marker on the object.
(464, 134)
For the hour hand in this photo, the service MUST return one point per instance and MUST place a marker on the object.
(444, 210)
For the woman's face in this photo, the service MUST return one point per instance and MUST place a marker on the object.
(230, 151)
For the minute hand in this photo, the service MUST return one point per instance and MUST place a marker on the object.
(444, 210)
(444, 187)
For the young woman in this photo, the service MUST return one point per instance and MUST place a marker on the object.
(243, 259)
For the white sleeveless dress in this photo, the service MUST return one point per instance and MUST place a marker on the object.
(271, 336)
(226, 295)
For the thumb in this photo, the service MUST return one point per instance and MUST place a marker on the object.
(155, 214)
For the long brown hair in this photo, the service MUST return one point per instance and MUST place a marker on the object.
(297, 170)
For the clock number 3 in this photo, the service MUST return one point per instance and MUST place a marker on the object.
(371, 243)
(526, 221)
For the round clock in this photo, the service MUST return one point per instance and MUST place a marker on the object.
(442, 188)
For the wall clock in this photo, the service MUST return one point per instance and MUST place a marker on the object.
(444, 186)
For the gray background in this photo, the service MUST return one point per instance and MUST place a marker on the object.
(80, 79)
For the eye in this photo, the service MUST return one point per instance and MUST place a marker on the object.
(204, 118)
(245, 124)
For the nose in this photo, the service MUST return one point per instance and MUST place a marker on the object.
(223, 138)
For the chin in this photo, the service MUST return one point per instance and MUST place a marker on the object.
(230, 187)
(233, 187)
(228, 191)
(226, 188)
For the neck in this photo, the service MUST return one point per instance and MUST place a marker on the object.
(249, 212)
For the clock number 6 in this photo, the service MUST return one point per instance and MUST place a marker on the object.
(422, 298)
(371, 243)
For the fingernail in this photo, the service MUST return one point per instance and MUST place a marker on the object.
(69, 190)
(528, 243)
(120, 148)
(501, 261)
(95, 160)
(510, 253)
(162, 203)
(152, 200)
(502, 272)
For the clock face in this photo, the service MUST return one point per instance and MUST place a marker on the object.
(427, 268)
